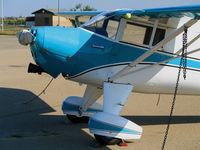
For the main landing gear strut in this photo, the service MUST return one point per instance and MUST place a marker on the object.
(105, 123)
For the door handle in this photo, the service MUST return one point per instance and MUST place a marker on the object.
(98, 46)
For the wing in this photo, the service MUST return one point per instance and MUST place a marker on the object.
(74, 14)
(167, 12)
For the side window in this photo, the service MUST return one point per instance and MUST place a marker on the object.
(141, 34)
(159, 35)
(134, 33)
(98, 27)
(112, 28)
(83, 19)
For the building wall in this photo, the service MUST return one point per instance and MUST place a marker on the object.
(43, 19)
(29, 24)
(63, 21)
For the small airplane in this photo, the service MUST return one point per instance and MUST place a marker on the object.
(115, 53)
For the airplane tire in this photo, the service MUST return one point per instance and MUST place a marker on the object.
(105, 140)
(75, 119)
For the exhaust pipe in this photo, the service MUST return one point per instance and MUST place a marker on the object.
(35, 69)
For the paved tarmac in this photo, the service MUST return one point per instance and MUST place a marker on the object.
(41, 125)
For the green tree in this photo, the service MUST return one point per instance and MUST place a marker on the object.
(80, 7)
(88, 8)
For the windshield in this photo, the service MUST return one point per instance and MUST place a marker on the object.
(101, 16)
(105, 24)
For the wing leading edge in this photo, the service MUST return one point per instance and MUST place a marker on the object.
(73, 14)
(167, 12)
(192, 11)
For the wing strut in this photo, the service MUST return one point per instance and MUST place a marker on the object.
(159, 63)
(153, 49)
(167, 60)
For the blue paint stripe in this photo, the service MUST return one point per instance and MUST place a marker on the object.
(94, 124)
(190, 63)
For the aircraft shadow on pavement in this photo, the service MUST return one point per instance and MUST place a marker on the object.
(161, 120)
(21, 125)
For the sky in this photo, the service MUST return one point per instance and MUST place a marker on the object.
(23, 8)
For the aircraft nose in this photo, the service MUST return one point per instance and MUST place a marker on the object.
(38, 34)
